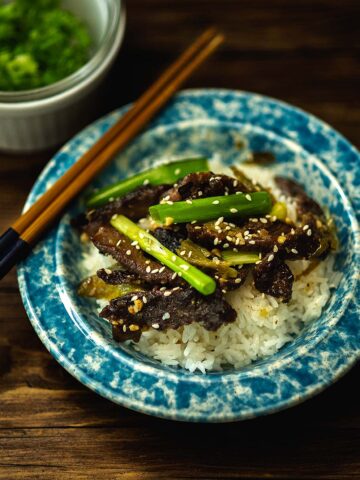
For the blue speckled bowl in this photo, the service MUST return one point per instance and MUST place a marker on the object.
(203, 121)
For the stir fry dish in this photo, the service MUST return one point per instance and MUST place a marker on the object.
(181, 237)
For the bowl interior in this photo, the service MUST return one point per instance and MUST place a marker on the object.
(94, 13)
(226, 140)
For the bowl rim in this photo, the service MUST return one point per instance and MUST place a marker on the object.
(79, 81)
(100, 388)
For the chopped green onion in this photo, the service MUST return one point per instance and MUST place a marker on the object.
(239, 258)
(166, 173)
(279, 210)
(229, 206)
(195, 277)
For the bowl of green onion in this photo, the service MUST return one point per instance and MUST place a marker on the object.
(53, 56)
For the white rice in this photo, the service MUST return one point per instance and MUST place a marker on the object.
(263, 324)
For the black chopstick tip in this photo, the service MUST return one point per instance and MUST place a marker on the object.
(14, 253)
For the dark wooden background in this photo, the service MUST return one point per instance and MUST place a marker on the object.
(51, 427)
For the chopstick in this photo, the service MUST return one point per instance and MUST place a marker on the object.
(15, 243)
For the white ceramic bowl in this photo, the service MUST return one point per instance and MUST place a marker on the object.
(45, 117)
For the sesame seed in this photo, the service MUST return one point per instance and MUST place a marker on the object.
(292, 231)
(147, 262)
(114, 217)
(233, 210)
(216, 241)
(219, 220)
(235, 183)
(189, 202)
(155, 325)
(161, 269)
(146, 181)
(166, 198)
(124, 328)
(166, 316)
(263, 220)
(305, 227)
(173, 276)
(253, 220)
(215, 202)
(248, 197)
(118, 242)
(155, 270)
(169, 202)
(182, 252)
(167, 293)
(238, 280)
(309, 232)
(144, 299)
(197, 227)
(141, 235)
(184, 267)
(238, 193)
(128, 252)
(246, 232)
(235, 249)
(173, 258)
(162, 289)
(180, 274)
(200, 193)
(223, 290)
(252, 242)
(135, 242)
(276, 248)
(194, 221)
(177, 171)
(257, 263)
(226, 245)
(108, 271)
(228, 238)
(134, 328)
(294, 250)
(190, 253)
(271, 257)
(137, 247)
(148, 269)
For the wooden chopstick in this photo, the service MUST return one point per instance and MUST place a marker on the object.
(37, 227)
(25, 220)
(38, 218)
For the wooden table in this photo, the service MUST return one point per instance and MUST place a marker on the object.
(51, 427)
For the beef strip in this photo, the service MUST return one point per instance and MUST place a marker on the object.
(134, 205)
(253, 235)
(111, 242)
(319, 230)
(117, 277)
(304, 203)
(203, 184)
(170, 237)
(163, 309)
(273, 277)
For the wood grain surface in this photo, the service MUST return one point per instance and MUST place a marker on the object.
(51, 427)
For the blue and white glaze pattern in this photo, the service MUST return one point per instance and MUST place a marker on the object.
(203, 121)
